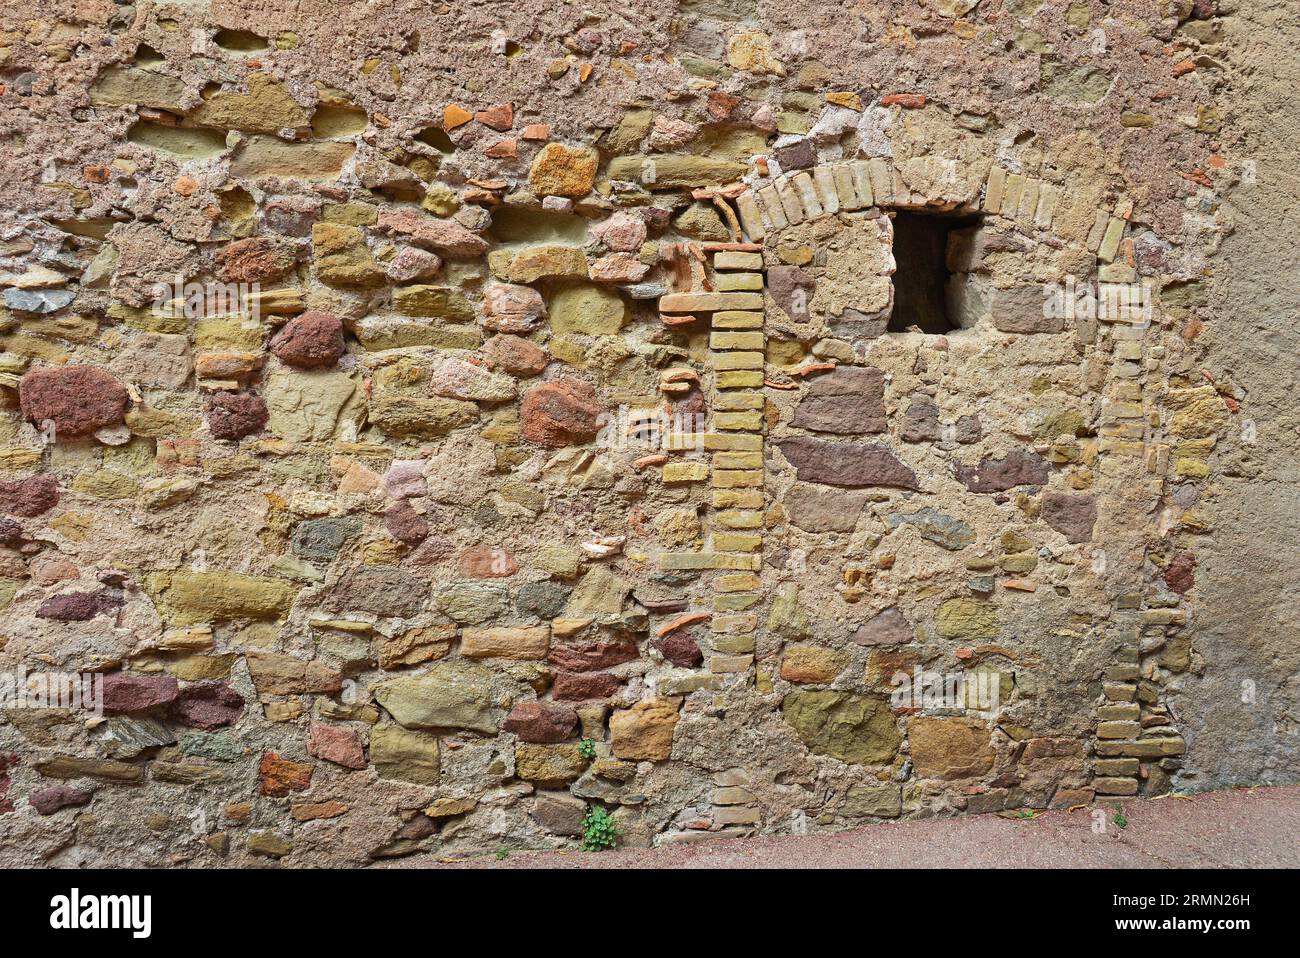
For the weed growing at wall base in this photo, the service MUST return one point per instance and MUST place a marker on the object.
(598, 830)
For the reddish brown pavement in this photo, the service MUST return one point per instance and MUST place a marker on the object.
(1233, 828)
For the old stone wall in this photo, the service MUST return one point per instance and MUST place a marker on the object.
(421, 425)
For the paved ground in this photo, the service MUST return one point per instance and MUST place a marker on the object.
(1251, 827)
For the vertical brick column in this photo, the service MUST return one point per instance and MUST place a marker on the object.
(733, 443)
(1134, 725)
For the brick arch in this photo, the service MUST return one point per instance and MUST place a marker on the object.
(931, 182)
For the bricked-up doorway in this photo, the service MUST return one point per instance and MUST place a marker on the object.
(921, 277)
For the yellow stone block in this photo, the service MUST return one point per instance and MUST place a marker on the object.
(738, 460)
(737, 319)
(737, 542)
(716, 441)
(737, 400)
(738, 282)
(737, 478)
(739, 379)
(742, 340)
(742, 360)
(685, 472)
(739, 519)
(741, 582)
(737, 259)
(741, 421)
(737, 499)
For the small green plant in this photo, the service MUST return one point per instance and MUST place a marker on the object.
(587, 749)
(1119, 819)
(1026, 813)
(598, 830)
(503, 853)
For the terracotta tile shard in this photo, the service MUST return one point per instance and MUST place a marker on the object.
(454, 116)
(813, 368)
(682, 622)
(908, 101)
(500, 117)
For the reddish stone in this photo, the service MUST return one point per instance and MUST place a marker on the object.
(411, 264)
(782, 283)
(516, 355)
(405, 479)
(849, 400)
(78, 399)
(405, 524)
(691, 404)
(589, 656)
(337, 744)
(849, 464)
(561, 413)
(47, 801)
(512, 309)
(79, 606)
(313, 340)
(1016, 468)
(432, 551)
(579, 687)
(421, 826)
(1070, 515)
(126, 693)
(679, 649)
(797, 156)
(235, 415)
(29, 497)
(622, 232)
(443, 236)
(258, 259)
(11, 533)
(721, 104)
(281, 776)
(486, 562)
(888, 627)
(1180, 574)
(207, 706)
(542, 722)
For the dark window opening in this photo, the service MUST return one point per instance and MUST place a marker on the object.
(921, 271)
